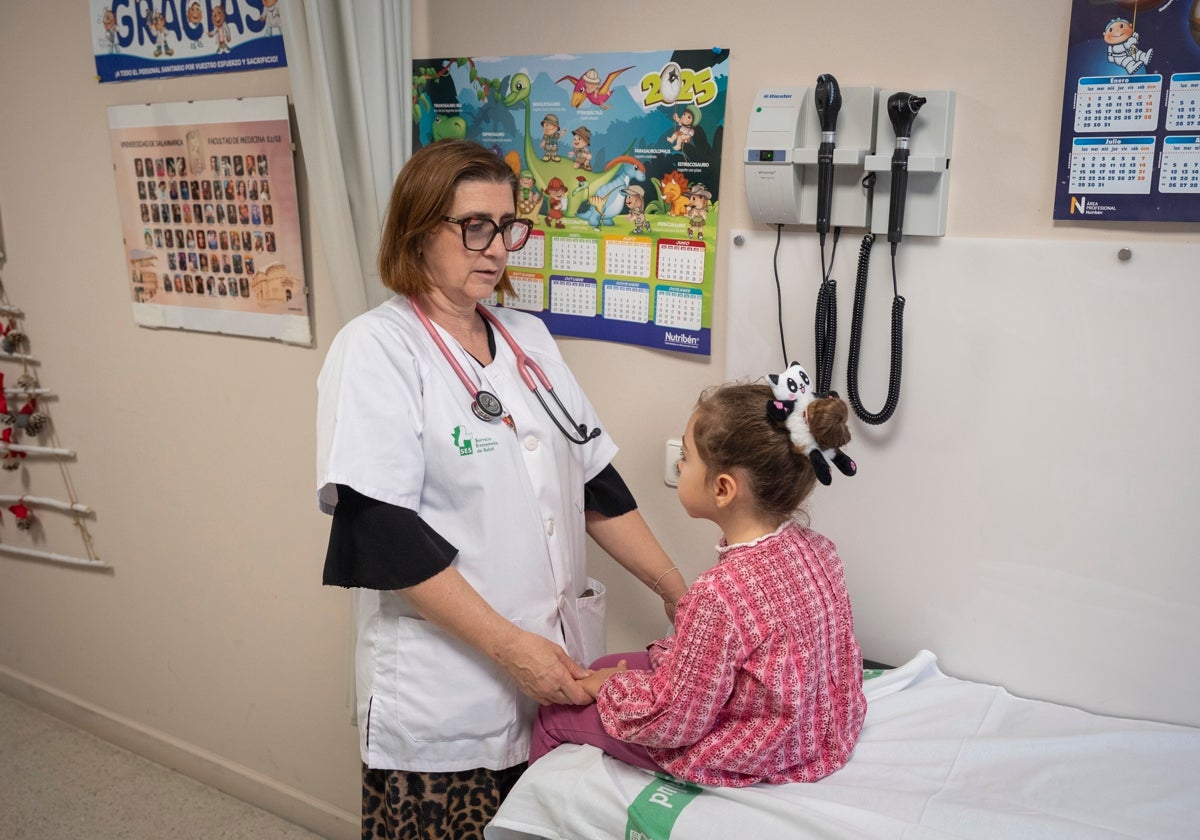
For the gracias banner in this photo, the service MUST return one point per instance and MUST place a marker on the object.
(210, 218)
(154, 39)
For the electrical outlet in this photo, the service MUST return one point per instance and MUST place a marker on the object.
(671, 468)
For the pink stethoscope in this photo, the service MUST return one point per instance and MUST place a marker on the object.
(486, 405)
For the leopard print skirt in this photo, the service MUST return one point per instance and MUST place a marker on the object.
(406, 805)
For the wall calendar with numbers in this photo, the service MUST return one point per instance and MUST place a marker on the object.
(618, 160)
(1130, 142)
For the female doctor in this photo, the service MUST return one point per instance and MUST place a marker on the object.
(463, 466)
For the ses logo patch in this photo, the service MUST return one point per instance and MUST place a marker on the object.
(468, 444)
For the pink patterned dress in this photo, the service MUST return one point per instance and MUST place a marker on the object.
(762, 680)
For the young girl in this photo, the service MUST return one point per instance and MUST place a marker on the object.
(762, 679)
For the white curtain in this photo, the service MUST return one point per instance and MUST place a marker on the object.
(350, 63)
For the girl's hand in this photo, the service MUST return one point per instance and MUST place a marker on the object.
(591, 683)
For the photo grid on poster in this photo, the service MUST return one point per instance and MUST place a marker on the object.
(210, 217)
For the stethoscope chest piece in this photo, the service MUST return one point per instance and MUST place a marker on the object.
(486, 406)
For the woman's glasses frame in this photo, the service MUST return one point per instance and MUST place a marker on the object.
(513, 234)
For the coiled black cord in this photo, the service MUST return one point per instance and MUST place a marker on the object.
(856, 328)
(825, 328)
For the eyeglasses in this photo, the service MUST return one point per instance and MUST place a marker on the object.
(477, 234)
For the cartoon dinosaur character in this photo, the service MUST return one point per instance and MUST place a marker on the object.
(519, 88)
(609, 200)
(671, 191)
(588, 86)
(448, 128)
(793, 391)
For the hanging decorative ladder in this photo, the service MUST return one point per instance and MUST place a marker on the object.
(21, 413)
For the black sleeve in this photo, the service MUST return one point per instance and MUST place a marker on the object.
(607, 493)
(374, 545)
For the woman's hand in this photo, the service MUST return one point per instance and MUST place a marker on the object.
(540, 668)
(543, 670)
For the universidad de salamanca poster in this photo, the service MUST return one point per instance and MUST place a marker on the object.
(618, 157)
(210, 216)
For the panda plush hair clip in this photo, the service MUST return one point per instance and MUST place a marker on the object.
(793, 392)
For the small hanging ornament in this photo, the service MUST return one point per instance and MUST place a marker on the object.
(3, 399)
(24, 516)
(30, 420)
(13, 339)
(27, 381)
(11, 460)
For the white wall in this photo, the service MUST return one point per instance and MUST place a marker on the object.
(211, 645)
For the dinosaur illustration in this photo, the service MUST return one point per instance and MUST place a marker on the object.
(588, 86)
(609, 200)
(520, 87)
(671, 199)
(446, 128)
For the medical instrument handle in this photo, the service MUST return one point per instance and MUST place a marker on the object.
(824, 185)
(828, 101)
(899, 190)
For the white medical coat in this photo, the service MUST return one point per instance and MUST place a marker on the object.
(394, 422)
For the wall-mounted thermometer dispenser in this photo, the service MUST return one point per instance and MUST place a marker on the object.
(772, 181)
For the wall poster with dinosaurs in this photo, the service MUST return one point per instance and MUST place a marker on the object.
(618, 157)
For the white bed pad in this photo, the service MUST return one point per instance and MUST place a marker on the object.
(938, 757)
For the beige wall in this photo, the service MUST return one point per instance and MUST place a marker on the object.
(211, 644)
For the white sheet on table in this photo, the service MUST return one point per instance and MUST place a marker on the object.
(938, 757)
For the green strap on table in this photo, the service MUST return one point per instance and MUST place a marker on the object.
(652, 815)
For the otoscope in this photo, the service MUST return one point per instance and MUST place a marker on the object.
(829, 102)
(902, 110)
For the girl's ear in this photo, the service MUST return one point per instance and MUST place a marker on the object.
(725, 489)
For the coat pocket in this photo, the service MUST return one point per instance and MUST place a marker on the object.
(445, 690)
(583, 624)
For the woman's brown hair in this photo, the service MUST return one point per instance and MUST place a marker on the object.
(732, 431)
(422, 195)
